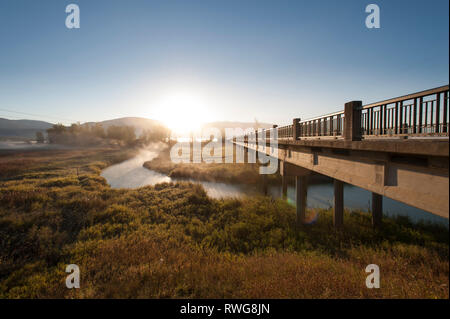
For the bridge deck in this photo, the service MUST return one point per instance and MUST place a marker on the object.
(426, 147)
(398, 148)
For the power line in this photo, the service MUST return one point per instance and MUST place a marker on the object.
(42, 116)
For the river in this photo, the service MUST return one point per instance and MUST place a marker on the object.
(131, 174)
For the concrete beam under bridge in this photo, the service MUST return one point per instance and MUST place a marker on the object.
(301, 187)
(417, 179)
(288, 169)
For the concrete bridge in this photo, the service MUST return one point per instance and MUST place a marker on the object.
(396, 148)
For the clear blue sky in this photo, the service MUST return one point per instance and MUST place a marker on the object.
(270, 60)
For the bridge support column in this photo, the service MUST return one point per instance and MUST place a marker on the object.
(246, 154)
(301, 186)
(265, 186)
(256, 145)
(285, 186)
(338, 211)
(235, 150)
(223, 144)
(377, 210)
(191, 148)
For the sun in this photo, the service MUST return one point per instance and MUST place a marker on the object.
(183, 111)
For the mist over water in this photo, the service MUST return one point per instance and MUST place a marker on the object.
(132, 174)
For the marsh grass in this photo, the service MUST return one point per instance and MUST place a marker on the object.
(173, 241)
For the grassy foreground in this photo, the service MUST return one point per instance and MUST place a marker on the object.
(172, 241)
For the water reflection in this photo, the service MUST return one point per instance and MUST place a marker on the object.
(131, 174)
(321, 196)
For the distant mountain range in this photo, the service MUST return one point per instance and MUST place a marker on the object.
(26, 129)
(139, 123)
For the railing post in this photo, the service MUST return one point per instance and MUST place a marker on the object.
(331, 126)
(338, 125)
(295, 128)
(420, 115)
(380, 120)
(444, 128)
(396, 124)
(438, 108)
(274, 127)
(352, 121)
(246, 148)
(401, 127)
(372, 121)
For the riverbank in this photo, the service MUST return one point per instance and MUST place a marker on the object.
(232, 173)
(222, 180)
(173, 241)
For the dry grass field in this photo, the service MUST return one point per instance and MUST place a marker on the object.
(173, 241)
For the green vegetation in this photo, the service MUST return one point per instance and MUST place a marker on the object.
(40, 137)
(172, 240)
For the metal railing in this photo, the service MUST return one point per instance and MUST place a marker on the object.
(284, 132)
(423, 113)
(327, 125)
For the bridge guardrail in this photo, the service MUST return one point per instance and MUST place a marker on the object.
(423, 113)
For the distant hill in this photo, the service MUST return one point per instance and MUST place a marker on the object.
(25, 129)
(139, 123)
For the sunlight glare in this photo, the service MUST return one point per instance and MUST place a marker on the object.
(183, 111)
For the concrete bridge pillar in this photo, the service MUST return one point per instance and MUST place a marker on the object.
(265, 185)
(377, 210)
(301, 188)
(246, 149)
(284, 183)
(191, 147)
(256, 145)
(235, 149)
(223, 144)
(338, 211)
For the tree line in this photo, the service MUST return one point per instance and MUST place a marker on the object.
(77, 134)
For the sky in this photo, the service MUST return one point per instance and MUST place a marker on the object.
(213, 60)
